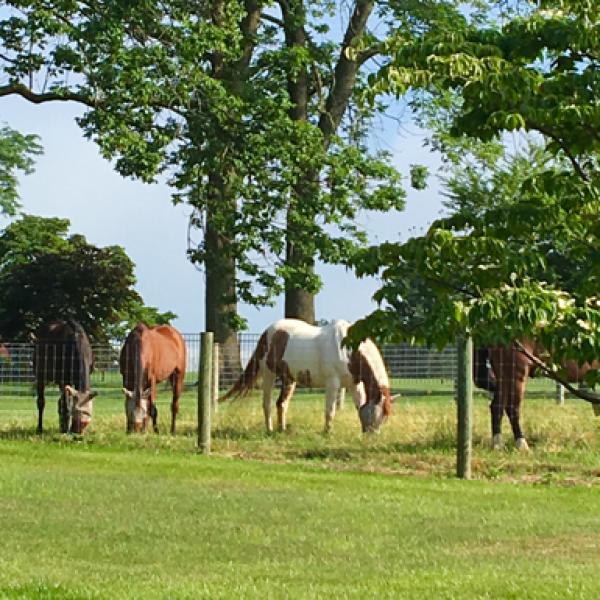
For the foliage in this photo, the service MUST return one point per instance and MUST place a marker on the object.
(45, 275)
(16, 154)
(250, 107)
(520, 255)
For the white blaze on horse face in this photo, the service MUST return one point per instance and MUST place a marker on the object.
(136, 414)
(372, 417)
(80, 407)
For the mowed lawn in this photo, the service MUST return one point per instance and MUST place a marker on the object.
(299, 514)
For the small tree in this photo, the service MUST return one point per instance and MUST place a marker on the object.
(46, 274)
(520, 254)
(16, 154)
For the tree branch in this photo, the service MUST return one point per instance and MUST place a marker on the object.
(345, 71)
(19, 89)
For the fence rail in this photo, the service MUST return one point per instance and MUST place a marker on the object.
(413, 370)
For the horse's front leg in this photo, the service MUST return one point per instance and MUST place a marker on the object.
(287, 390)
(267, 388)
(332, 390)
(151, 412)
(63, 411)
(41, 403)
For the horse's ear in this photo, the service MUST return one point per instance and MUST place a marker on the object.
(70, 390)
(146, 393)
(127, 393)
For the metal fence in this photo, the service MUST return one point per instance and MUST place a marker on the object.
(413, 370)
(403, 361)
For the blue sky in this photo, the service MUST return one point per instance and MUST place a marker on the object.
(72, 180)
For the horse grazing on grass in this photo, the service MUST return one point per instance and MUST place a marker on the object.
(62, 354)
(509, 369)
(151, 355)
(294, 350)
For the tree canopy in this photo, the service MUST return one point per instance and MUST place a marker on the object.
(520, 253)
(46, 274)
(250, 106)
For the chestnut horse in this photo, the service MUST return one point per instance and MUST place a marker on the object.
(294, 350)
(151, 355)
(506, 377)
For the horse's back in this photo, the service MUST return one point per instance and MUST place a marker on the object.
(168, 351)
(309, 350)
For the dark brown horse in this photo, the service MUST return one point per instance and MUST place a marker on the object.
(151, 355)
(504, 370)
(62, 354)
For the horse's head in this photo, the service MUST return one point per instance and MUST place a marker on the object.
(76, 410)
(375, 411)
(367, 368)
(136, 409)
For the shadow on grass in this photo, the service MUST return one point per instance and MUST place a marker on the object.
(22, 433)
(235, 433)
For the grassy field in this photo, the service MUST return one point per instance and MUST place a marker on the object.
(299, 514)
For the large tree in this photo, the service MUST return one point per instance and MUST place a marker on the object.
(520, 253)
(250, 105)
(46, 274)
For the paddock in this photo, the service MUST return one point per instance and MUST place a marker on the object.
(420, 437)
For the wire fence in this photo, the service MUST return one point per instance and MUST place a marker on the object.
(413, 371)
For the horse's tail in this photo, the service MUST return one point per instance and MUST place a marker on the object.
(248, 378)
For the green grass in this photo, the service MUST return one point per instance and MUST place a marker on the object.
(418, 439)
(85, 521)
(299, 514)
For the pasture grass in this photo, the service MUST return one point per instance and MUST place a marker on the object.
(299, 514)
(93, 521)
(418, 439)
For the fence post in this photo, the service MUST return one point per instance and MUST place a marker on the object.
(560, 394)
(205, 391)
(215, 377)
(464, 407)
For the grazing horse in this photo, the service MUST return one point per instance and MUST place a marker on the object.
(294, 350)
(62, 354)
(151, 355)
(506, 377)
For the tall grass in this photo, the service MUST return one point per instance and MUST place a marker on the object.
(418, 439)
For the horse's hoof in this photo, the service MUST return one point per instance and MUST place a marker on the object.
(497, 443)
(521, 444)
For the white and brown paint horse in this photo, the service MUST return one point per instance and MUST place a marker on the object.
(294, 350)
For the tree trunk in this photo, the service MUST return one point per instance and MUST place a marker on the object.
(220, 293)
(299, 303)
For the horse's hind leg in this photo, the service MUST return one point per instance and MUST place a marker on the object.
(177, 383)
(496, 410)
(513, 412)
(287, 390)
(267, 388)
